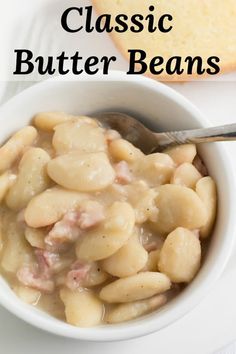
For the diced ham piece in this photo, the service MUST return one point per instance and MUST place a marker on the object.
(64, 230)
(32, 279)
(77, 274)
(71, 217)
(70, 227)
(123, 174)
(48, 262)
(40, 276)
(90, 215)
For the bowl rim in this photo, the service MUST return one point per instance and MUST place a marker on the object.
(131, 330)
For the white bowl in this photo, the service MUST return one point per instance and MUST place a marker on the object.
(160, 107)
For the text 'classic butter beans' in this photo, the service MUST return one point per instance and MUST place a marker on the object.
(92, 230)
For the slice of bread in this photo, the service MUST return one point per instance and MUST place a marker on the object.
(202, 28)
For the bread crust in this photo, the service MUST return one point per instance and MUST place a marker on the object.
(224, 68)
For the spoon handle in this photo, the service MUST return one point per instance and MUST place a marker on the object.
(196, 136)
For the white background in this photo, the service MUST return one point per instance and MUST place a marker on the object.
(212, 325)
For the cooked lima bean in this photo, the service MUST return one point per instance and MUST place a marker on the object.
(178, 206)
(35, 237)
(95, 277)
(129, 260)
(206, 189)
(132, 310)
(6, 180)
(13, 148)
(32, 179)
(186, 175)
(155, 169)
(180, 256)
(77, 136)
(135, 287)
(28, 295)
(16, 251)
(82, 172)
(47, 121)
(142, 199)
(123, 150)
(82, 308)
(182, 153)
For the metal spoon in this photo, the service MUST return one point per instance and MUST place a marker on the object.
(148, 141)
